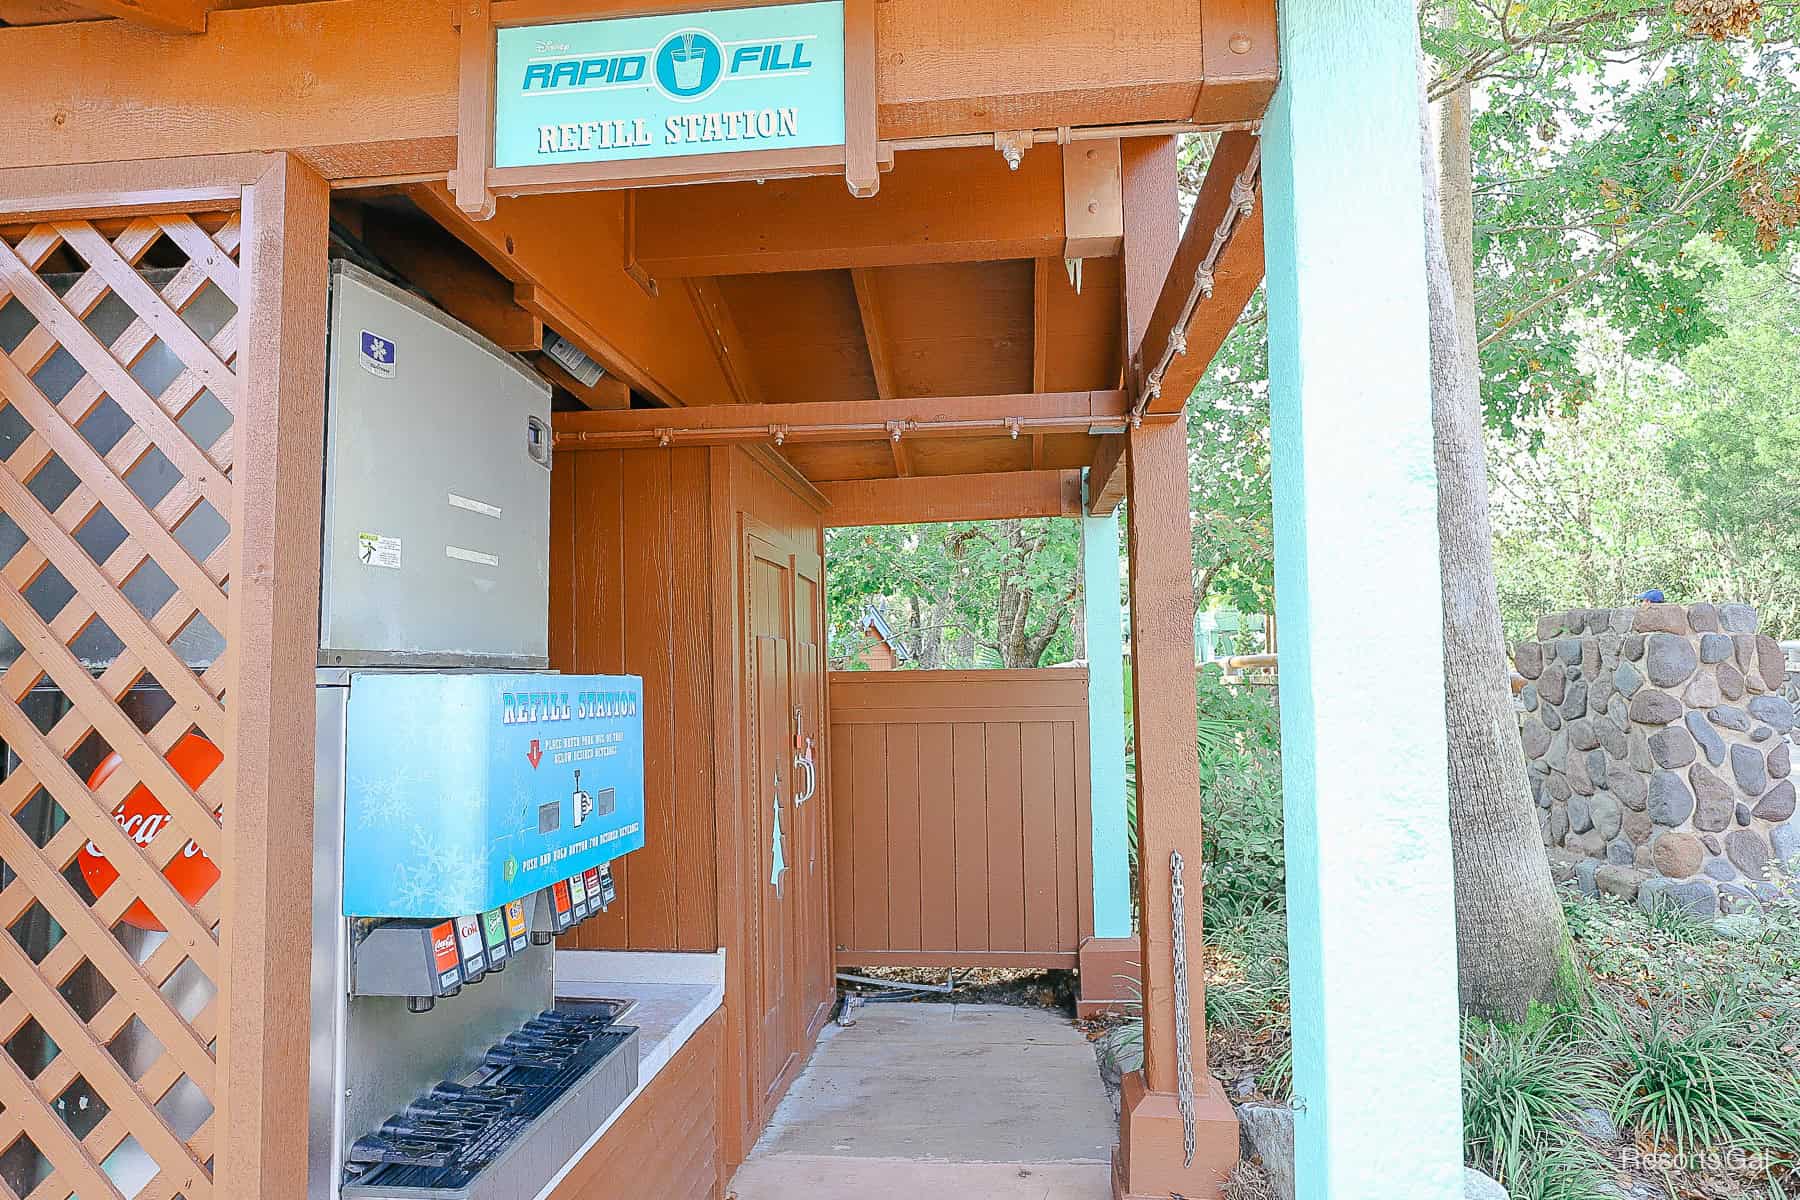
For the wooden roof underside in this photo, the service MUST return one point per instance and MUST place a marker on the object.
(943, 309)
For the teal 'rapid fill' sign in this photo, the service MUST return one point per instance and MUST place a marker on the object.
(768, 78)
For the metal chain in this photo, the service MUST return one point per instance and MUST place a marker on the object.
(1184, 1042)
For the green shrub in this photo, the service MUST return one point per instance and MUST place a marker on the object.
(1714, 1078)
(1520, 1085)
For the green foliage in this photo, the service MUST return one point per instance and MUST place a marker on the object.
(1682, 478)
(1713, 1080)
(1520, 1086)
(959, 594)
(1605, 137)
(1228, 472)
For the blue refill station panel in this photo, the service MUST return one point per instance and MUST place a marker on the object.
(465, 792)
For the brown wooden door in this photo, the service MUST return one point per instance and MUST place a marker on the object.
(772, 853)
(815, 962)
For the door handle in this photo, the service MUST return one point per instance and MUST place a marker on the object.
(805, 760)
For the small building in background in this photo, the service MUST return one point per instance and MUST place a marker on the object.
(882, 649)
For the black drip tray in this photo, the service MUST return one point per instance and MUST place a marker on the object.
(544, 1088)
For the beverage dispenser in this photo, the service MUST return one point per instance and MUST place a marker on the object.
(468, 801)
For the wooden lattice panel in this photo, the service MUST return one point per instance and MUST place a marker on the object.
(117, 350)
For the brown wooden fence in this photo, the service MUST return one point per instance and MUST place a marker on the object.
(960, 823)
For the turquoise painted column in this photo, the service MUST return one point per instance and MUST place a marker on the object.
(1106, 722)
(1370, 905)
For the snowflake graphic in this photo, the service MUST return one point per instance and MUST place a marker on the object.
(438, 869)
(381, 802)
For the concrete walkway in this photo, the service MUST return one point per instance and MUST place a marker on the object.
(939, 1099)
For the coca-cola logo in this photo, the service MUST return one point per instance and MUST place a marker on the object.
(142, 817)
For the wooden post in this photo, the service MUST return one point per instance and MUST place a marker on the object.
(1152, 1158)
(272, 639)
(1371, 918)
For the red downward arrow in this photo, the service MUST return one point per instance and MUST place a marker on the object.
(535, 754)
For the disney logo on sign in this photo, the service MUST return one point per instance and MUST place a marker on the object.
(549, 47)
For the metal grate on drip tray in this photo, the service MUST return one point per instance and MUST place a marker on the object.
(542, 1082)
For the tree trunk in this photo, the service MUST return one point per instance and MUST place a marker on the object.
(1512, 945)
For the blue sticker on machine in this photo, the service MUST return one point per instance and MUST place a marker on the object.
(379, 356)
(466, 792)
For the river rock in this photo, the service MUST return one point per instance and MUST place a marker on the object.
(1620, 852)
(1652, 707)
(1584, 877)
(1720, 869)
(1632, 647)
(1731, 681)
(1748, 852)
(1607, 815)
(1629, 787)
(1661, 618)
(1780, 761)
(1703, 618)
(1784, 840)
(1581, 818)
(1671, 803)
(1777, 804)
(1568, 651)
(1669, 660)
(1677, 855)
(1528, 659)
(1636, 827)
(1534, 738)
(1712, 843)
(1730, 716)
(1639, 757)
(1714, 648)
(1710, 742)
(1590, 843)
(1671, 747)
(1743, 652)
(1551, 625)
(1558, 786)
(1620, 881)
(1747, 768)
(1596, 768)
(1738, 618)
(1552, 682)
(1774, 711)
(1770, 661)
(1699, 896)
(1743, 814)
(1714, 799)
(1549, 716)
(1702, 690)
(1612, 738)
(1628, 679)
(1575, 700)
(1582, 734)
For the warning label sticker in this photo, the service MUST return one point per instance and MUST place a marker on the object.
(374, 550)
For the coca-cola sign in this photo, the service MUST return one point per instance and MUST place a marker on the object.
(142, 817)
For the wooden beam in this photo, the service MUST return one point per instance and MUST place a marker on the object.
(947, 206)
(851, 420)
(868, 307)
(1040, 320)
(609, 394)
(455, 278)
(175, 16)
(565, 256)
(368, 88)
(1151, 233)
(1235, 274)
(996, 497)
(1093, 211)
(1107, 476)
(722, 331)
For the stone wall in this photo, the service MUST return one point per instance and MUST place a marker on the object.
(1656, 742)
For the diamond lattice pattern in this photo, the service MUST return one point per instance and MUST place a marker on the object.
(117, 389)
